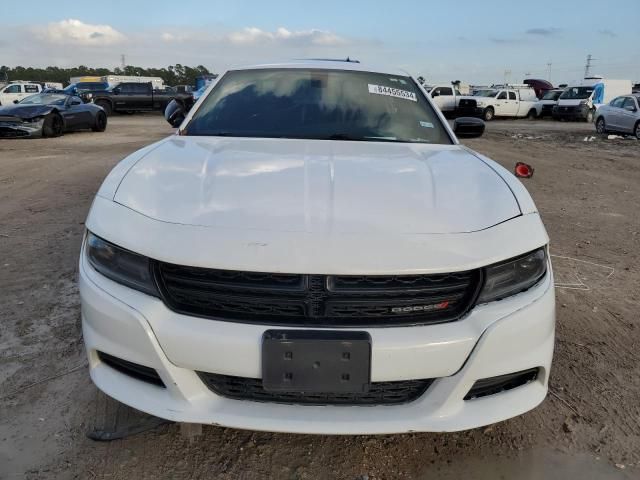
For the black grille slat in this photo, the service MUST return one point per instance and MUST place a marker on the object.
(251, 389)
(317, 300)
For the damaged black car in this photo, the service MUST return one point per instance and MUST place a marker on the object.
(50, 115)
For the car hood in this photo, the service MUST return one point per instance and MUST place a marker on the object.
(317, 186)
(25, 111)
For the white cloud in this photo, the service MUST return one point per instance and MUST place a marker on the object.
(75, 32)
(255, 36)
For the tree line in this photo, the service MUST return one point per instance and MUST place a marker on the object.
(172, 75)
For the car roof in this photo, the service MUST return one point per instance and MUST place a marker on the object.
(346, 65)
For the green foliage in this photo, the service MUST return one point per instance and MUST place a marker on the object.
(172, 75)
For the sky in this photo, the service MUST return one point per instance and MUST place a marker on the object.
(476, 42)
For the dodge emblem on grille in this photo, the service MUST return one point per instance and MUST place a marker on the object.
(420, 308)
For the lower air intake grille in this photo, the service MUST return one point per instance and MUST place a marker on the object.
(140, 372)
(317, 300)
(493, 385)
(380, 393)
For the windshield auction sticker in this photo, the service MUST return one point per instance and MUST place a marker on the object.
(392, 92)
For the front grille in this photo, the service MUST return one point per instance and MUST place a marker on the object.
(380, 393)
(467, 103)
(12, 132)
(317, 300)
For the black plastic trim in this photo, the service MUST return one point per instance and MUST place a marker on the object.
(139, 372)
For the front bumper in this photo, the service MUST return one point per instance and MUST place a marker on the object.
(21, 129)
(570, 112)
(494, 339)
(469, 111)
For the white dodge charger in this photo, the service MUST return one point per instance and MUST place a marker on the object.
(314, 251)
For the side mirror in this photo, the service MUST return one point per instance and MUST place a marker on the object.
(16, 101)
(116, 91)
(174, 113)
(435, 94)
(468, 127)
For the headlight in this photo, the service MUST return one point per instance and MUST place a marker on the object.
(120, 265)
(480, 104)
(513, 276)
(32, 120)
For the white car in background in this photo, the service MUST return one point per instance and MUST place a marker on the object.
(315, 252)
(514, 101)
(16, 91)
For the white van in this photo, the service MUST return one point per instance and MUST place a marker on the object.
(18, 91)
(580, 101)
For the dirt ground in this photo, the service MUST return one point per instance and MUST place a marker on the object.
(588, 427)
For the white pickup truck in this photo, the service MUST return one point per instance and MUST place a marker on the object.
(18, 91)
(444, 96)
(511, 101)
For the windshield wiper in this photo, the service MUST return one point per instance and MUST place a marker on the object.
(343, 136)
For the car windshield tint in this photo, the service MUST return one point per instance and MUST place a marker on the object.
(44, 99)
(577, 93)
(318, 104)
(485, 93)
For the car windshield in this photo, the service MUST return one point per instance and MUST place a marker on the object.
(45, 99)
(485, 93)
(318, 104)
(551, 95)
(577, 93)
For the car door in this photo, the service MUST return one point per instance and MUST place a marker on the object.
(126, 97)
(628, 114)
(511, 104)
(443, 97)
(613, 114)
(501, 105)
(10, 93)
(75, 114)
(144, 96)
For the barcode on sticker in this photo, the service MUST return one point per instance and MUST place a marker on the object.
(392, 92)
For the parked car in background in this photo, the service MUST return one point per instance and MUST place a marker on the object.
(445, 97)
(580, 102)
(50, 115)
(511, 101)
(316, 252)
(16, 91)
(83, 87)
(621, 115)
(549, 100)
(133, 97)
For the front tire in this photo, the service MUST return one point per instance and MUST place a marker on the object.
(636, 130)
(53, 125)
(601, 126)
(100, 122)
(533, 114)
(488, 114)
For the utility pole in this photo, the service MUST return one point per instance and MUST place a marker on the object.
(122, 61)
(507, 76)
(587, 67)
(549, 71)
